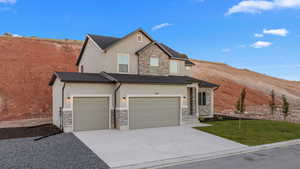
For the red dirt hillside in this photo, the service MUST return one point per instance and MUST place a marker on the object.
(233, 80)
(26, 65)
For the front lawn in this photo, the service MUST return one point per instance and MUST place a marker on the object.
(254, 132)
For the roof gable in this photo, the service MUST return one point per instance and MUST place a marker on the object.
(106, 42)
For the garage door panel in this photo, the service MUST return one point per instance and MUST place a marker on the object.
(90, 113)
(147, 112)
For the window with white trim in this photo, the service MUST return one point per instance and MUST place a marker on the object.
(154, 62)
(202, 99)
(139, 37)
(123, 63)
(173, 66)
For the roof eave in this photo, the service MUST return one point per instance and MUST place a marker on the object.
(82, 50)
(53, 78)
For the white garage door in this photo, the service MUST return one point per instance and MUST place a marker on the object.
(90, 113)
(150, 112)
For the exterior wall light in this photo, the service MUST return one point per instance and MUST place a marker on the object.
(124, 99)
(68, 99)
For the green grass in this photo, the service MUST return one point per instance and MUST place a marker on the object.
(254, 132)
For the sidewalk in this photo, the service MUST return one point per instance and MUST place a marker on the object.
(210, 156)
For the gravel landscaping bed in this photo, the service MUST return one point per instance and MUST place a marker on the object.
(21, 132)
(62, 151)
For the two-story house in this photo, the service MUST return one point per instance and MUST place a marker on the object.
(131, 82)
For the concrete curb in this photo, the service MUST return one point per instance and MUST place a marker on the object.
(204, 157)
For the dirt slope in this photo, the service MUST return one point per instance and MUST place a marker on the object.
(233, 80)
(26, 65)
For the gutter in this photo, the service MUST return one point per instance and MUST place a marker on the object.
(62, 107)
(104, 74)
(115, 104)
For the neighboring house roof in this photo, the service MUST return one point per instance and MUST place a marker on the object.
(76, 77)
(105, 42)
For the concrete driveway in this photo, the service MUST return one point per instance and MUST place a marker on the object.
(125, 148)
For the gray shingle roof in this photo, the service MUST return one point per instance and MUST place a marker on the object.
(130, 78)
(104, 41)
(207, 84)
(76, 77)
(187, 62)
(79, 77)
(173, 52)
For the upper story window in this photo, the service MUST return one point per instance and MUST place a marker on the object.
(139, 37)
(173, 66)
(202, 99)
(123, 63)
(154, 62)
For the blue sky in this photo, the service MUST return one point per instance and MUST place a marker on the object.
(213, 30)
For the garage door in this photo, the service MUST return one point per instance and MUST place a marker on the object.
(90, 113)
(150, 112)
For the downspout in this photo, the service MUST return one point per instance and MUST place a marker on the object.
(62, 107)
(115, 104)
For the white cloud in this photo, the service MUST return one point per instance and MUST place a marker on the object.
(226, 50)
(258, 6)
(156, 27)
(261, 44)
(242, 46)
(258, 35)
(279, 32)
(8, 1)
(17, 36)
(5, 9)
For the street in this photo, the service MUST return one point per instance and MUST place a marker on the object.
(277, 158)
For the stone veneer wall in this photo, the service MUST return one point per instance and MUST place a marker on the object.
(207, 109)
(144, 61)
(121, 118)
(67, 119)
